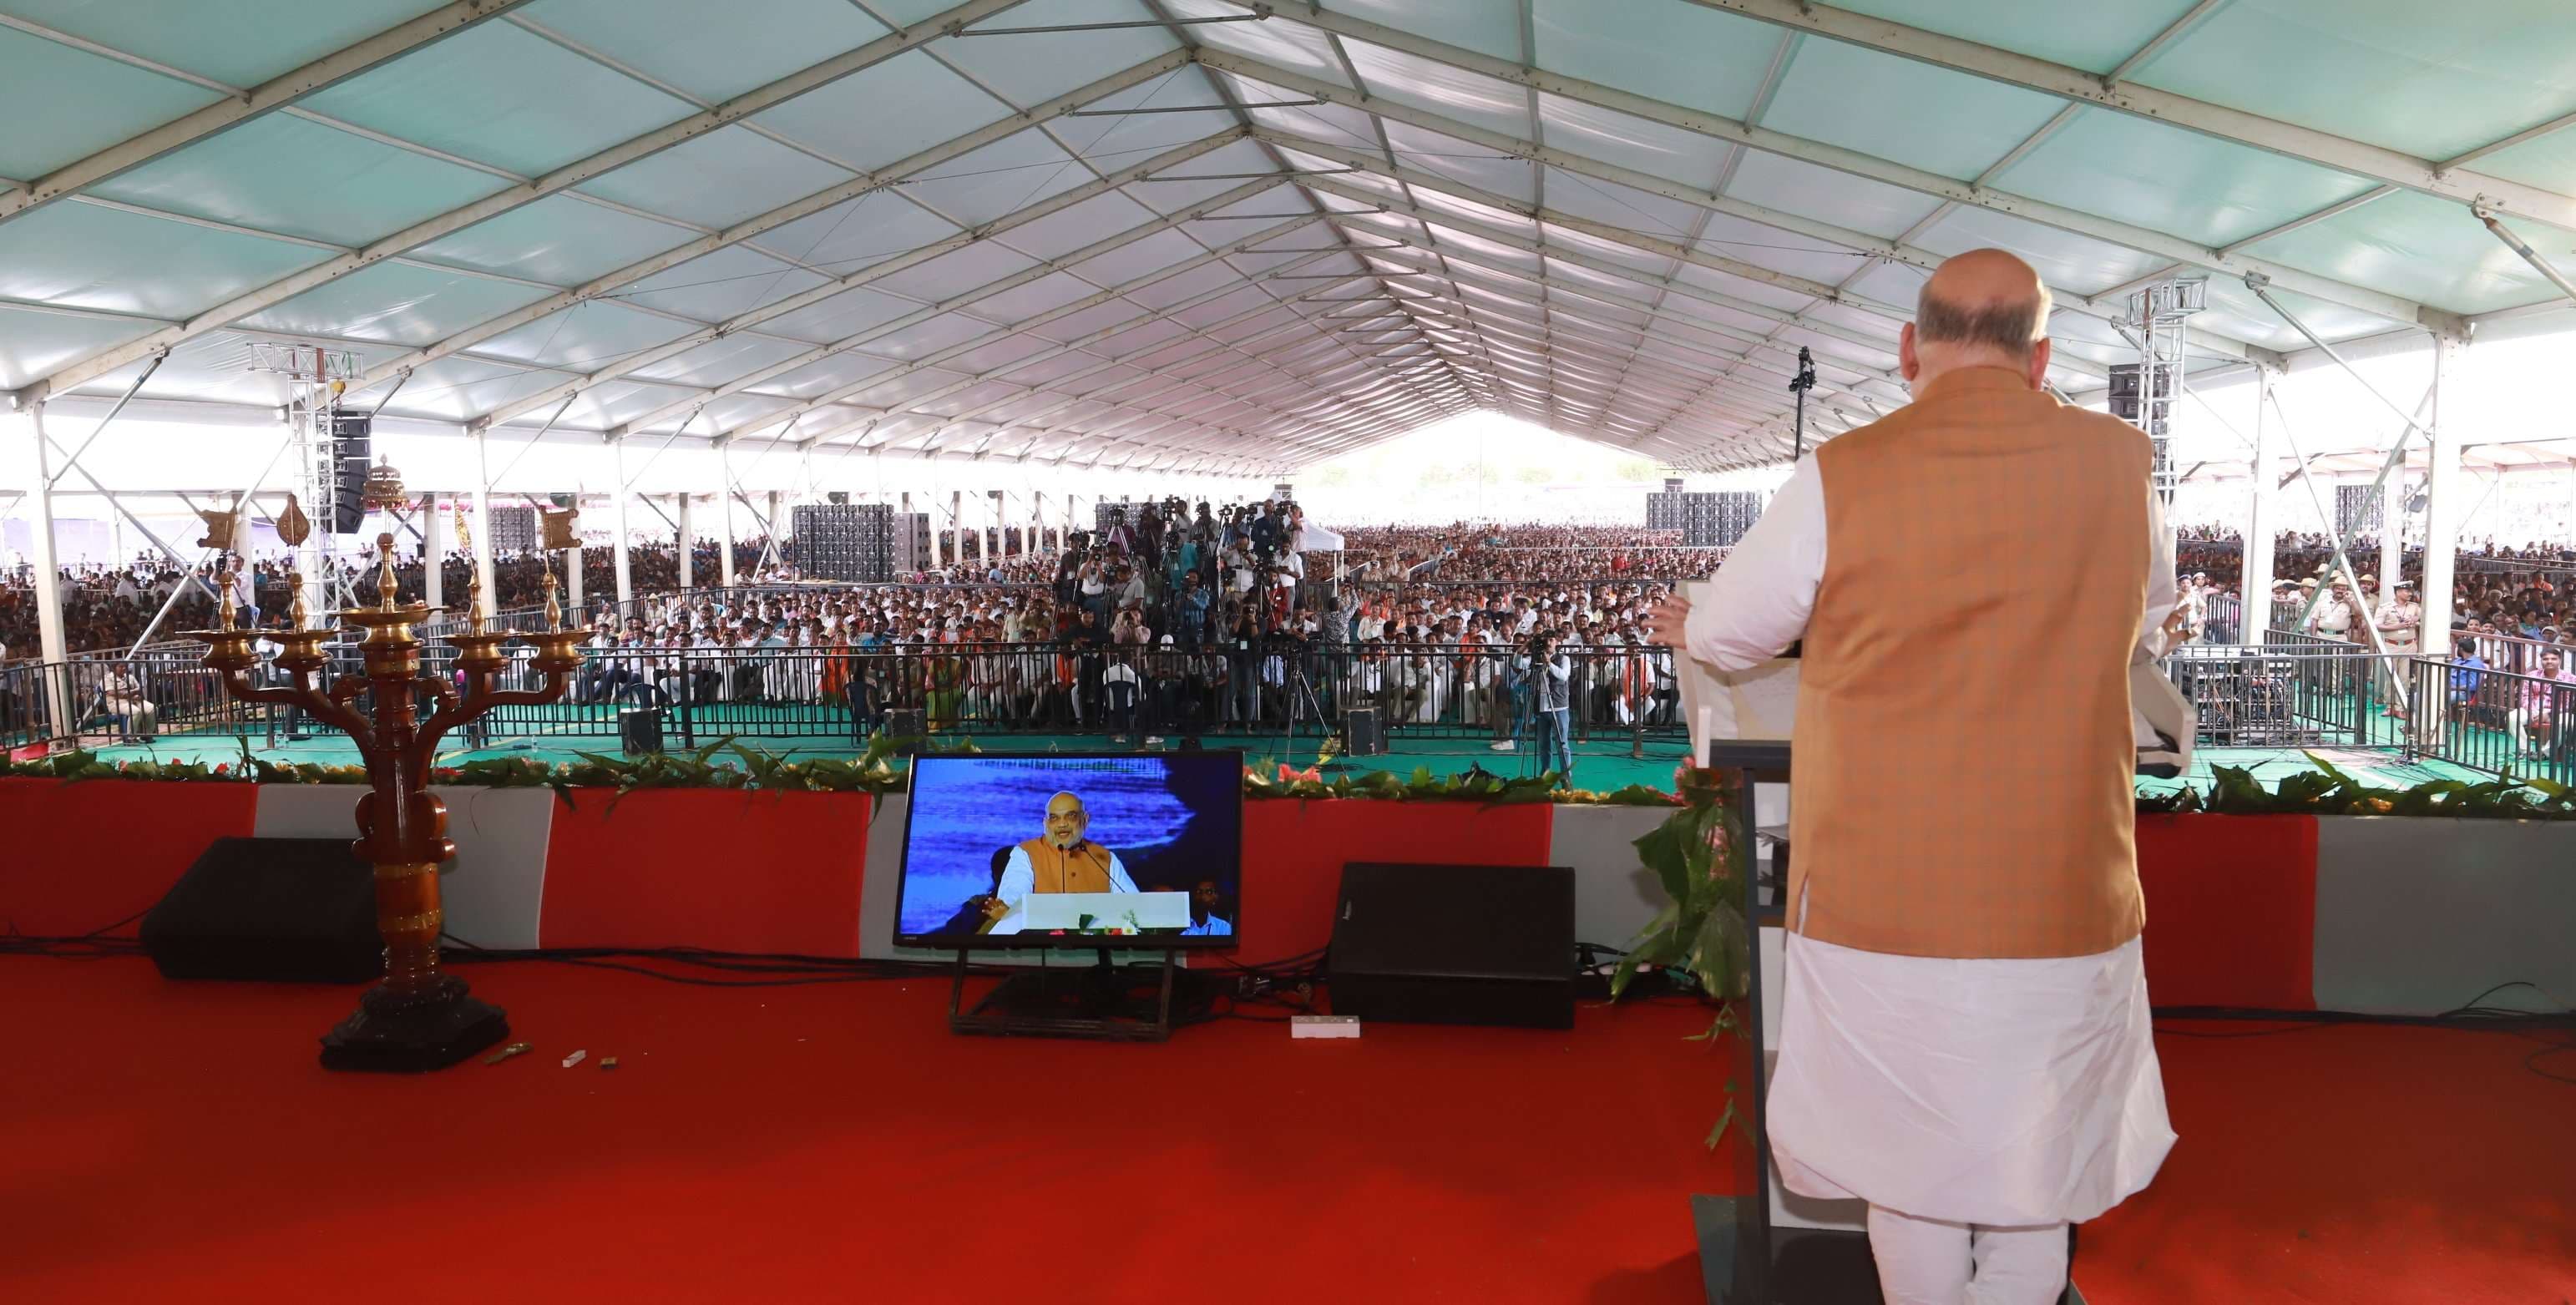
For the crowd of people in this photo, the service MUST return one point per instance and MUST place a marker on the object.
(1204, 616)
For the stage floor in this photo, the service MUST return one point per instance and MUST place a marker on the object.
(176, 1142)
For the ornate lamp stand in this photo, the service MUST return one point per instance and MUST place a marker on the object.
(417, 1018)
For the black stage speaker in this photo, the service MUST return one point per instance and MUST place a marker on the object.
(1364, 731)
(1455, 944)
(908, 723)
(294, 910)
(639, 730)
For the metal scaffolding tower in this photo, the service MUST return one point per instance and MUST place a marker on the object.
(317, 377)
(2146, 393)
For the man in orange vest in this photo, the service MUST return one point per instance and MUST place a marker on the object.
(1964, 1038)
(1059, 861)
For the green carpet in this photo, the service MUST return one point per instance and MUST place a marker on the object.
(1601, 764)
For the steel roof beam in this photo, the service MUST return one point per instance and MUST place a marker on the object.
(239, 107)
(2100, 305)
(1835, 157)
(586, 169)
(2306, 144)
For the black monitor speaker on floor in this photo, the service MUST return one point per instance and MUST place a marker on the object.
(1364, 731)
(290, 910)
(1455, 944)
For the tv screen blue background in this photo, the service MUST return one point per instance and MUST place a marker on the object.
(1173, 819)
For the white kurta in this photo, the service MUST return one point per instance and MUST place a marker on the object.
(1994, 1092)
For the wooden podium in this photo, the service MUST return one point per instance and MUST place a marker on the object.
(1768, 1246)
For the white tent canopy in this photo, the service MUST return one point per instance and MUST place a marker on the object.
(1209, 236)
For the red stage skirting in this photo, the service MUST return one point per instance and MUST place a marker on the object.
(2231, 901)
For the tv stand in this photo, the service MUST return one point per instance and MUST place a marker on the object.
(1106, 1002)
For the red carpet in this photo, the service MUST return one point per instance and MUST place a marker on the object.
(175, 1142)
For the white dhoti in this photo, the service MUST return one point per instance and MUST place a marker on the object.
(2005, 1093)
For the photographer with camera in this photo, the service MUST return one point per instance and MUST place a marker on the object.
(1547, 673)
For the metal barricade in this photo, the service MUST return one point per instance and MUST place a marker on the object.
(2496, 720)
(2292, 692)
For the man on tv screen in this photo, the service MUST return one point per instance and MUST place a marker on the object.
(1204, 921)
(1059, 861)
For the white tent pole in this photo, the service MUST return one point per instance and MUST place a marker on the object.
(2254, 562)
(724, 522)
(688, 546)
(617, 521)
(433, 555)
(43, 560)
(484, 574)
(2441, 502)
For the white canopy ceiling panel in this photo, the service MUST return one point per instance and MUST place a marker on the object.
(603, 406)
(2063, 259)
(2097, 38)
(1621, 206)
(1607, 250)
(33, 342)
(732, 412)
(1129, 345)
(1344, 204)
(264, 174)
(1897, 108)
(1760, 292)
(557, 239)
(1677, 306)
(1058, 234)
(2234, 312)
(1008, 174)
(902, 390)
(1673, 52)
(1440, 88)
(2546, 160)
(1632, 142)
(2167, 179)
(826, 375)
(864, 231)
(923, 339)
(2425, 249)
(888, 111)
(90, 257)
(238, 42)
(582, 337)
(755, 43)
(717, 179)
(2476, 73)
(1183, 286)
(1805, 189)
(1448, 156)
(1040, 66)
(722, 285)
(1242, 157)
(1560, 270)
(503, 96)
(1490, 26)
(1486, 252)
(974, 397)
(841, 316)
(719, 361)
(86, 102)
(1164, 248)
(1077, 325)
(393, 302)
(953, 274)
(458, 388)
(1288, 44)
(1021, 303)
(1320, 121)
(1047, 371)
(1472, 211)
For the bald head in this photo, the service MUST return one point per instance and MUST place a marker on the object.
(1984, 308)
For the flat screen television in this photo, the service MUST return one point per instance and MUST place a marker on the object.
(1126, 850)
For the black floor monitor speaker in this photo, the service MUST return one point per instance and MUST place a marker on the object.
(1455, 944)
(639, 730)
(294, 910)
(910, 724)
(1365, 731)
